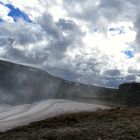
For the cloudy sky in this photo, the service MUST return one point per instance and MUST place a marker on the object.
(89, 41)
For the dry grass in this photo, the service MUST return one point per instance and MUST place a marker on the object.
(113, 124)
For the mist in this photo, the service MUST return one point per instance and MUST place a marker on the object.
(21, 84)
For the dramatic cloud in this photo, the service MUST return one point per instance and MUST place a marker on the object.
(90, 41)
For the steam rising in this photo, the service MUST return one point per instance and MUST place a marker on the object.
(21, 84)
(24, 114)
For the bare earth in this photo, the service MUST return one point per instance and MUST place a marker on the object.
(112, 124)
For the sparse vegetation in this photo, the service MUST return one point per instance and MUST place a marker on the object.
(113, 124)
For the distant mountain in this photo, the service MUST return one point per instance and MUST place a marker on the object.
(20, 84)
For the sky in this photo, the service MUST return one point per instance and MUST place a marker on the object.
(88, 41)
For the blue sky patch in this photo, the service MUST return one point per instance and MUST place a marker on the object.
(129, 53)
(16, 13)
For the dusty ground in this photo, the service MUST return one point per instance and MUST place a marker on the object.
(113, 124)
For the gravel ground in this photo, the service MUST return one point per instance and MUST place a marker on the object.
(112, 124)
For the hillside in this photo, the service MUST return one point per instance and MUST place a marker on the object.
(20, 84)
(113, 124)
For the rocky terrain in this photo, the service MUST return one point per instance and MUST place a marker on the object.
(112, 124)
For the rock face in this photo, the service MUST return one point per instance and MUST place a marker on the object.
(21, 84)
